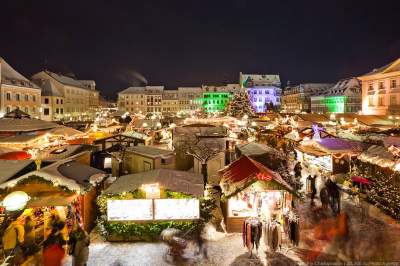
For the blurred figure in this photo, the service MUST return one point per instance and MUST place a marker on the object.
(200, 240)
(79, 242)
(13, 240)
(30, 246)
(53, 251)
(312, 187)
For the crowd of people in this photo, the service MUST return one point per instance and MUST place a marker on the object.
(20, 243)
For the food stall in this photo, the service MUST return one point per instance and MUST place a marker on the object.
(139, 206)
(252, 190)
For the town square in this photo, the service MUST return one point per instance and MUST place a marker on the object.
(199, 133)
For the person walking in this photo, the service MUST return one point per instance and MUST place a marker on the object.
(79, 242)
(313, 187)
(200, 240)
(53, 251)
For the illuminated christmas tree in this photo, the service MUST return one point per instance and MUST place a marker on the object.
(240, 105)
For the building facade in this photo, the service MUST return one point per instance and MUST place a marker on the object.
(16, 91)
(154, 99)
(381, 90)
(141, 100)
(297, 99)
(215, 102)
(170, 102)
(263, 90)
(79, 100)
(343, 97)
(133, 100)
(190, 99)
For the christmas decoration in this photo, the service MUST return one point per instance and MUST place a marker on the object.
(382, 193)
(240, 105)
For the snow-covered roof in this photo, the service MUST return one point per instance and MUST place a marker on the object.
(143, 90)
(48, 88)
(391, 67)
(260, 79)
(334, 145)
(179, 181)
(133, 90)
(190, 90)
(10, 76)
(66, 80)
(150, 151)
(24, 124)
(307, 88)
(378, 155)
(253, 148)
(349, 86)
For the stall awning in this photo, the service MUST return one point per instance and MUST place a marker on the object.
(244, 171)
(311, 150)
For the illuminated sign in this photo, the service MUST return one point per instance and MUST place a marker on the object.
(176, 209)
(130, 210)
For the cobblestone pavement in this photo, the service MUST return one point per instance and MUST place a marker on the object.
(369, 239)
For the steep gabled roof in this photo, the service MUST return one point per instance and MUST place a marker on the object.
(10, 76)
(66, 80)
(243, 172)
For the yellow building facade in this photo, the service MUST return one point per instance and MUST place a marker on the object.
(381, 90)
(16, 91)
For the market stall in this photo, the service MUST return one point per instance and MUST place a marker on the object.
(66, 187)
(139, 206)
(252, 190)
(328, 155)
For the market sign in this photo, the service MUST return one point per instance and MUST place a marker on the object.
(176, 209)
(130, 210)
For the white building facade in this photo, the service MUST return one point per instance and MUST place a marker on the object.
(263, 90)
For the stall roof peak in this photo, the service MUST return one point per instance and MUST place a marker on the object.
(244, 171)
(179, 181)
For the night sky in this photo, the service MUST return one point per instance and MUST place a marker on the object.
(189, 43)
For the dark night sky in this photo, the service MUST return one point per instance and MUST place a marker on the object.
(189, 43)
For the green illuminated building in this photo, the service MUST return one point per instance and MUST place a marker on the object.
(335, 104)
(214, 102)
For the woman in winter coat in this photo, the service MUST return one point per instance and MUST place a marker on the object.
(79, 247)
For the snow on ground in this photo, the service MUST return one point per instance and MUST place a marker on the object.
(369, 239)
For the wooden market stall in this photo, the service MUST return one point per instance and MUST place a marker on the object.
(139, 206)
(68, 186)
(252, 190)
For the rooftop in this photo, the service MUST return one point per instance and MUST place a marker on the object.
(179, 181)
(150, 151)
(391, 67)
(18, 121)
(10, 76)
